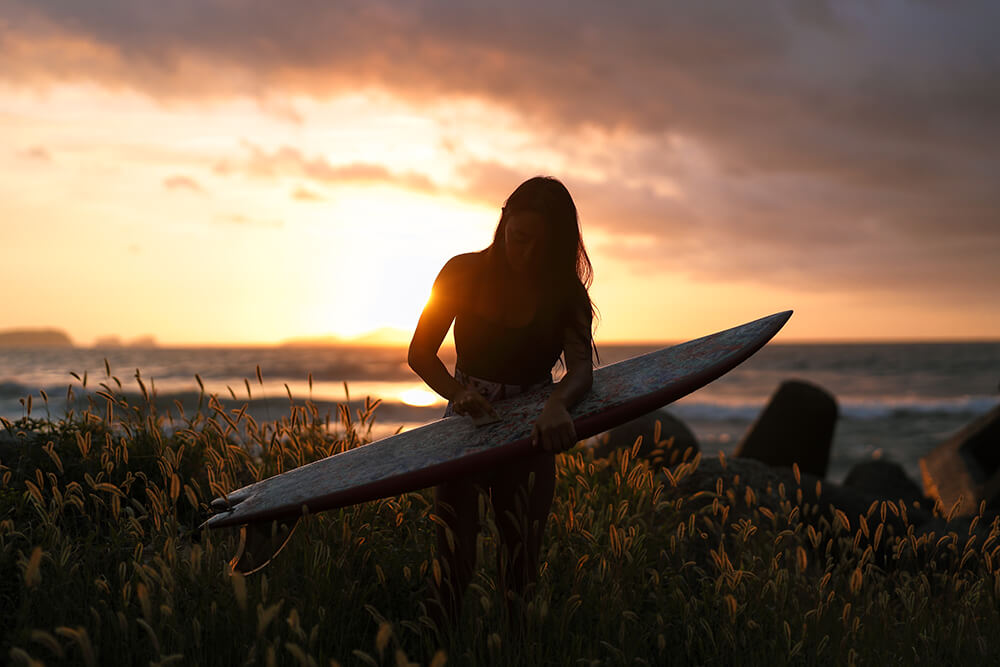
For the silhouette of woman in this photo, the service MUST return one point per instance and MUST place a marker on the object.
(516, 306)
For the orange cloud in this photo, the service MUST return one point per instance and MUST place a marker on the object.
(36, 153)
(289, 161)
(182, 183)
(304, 194)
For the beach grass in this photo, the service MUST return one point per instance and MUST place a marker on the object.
(102, 561)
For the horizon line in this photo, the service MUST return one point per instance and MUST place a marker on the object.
(613, 343)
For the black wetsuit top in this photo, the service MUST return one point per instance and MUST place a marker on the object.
(510, 355)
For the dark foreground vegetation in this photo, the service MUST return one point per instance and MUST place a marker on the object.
(102, 561)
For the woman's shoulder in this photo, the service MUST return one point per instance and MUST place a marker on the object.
(461, 275)
(465, 267)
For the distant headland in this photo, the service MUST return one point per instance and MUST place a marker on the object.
(56, 338)
(111, 342)
(17, 338)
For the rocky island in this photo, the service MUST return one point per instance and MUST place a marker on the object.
(24, 338)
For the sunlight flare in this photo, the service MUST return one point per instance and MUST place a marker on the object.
(419, 398)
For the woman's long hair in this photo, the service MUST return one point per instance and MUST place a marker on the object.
(567, 273)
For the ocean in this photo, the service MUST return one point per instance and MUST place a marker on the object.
(897, 401)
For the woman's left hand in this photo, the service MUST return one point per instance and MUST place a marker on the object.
(554, 431)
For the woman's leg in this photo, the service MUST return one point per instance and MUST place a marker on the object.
(457, 505)
(522, 497)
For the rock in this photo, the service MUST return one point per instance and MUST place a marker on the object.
(736, 475)
(795, 427)
(658, 451)
(966, 467)
(886, 480)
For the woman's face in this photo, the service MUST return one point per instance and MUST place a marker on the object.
(526, 239)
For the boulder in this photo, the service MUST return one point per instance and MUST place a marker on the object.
(966, 467)
(796, 426)
(665, 439)
(886, 480)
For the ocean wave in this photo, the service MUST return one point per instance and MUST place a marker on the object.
(712, 408)
(716, 412)
(886, 408)
(861, 409)
(10, 389)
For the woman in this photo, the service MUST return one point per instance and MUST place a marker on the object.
(516, 306)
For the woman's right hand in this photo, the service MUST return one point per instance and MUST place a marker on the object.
(468, 401)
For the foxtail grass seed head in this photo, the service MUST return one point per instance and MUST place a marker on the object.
(382, 638)
(801, 559)
(731, 606)
(33, 568)
(239, 590)
(81, 638)
(49, 642)
(952, 513)
(842, 518)
(856, 578)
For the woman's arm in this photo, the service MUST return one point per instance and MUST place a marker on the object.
(554, 430)
(435, 320)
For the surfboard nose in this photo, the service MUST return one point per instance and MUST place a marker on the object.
(231, 500)
(221, 504)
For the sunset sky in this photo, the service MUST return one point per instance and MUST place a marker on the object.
(214, 171)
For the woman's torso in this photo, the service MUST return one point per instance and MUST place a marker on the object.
(505, 337)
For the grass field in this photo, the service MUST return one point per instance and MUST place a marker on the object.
(102, 562)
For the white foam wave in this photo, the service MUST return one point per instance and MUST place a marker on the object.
(891, 407)
(853, 408)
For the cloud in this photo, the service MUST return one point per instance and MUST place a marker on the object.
(812, 143)
(607, 204)
(650, 65)
(281, 110)
(178, 182)
(304, 194)
(246, 221)
(36, 154)
(814, 86)
(786, 231)
(288, 161)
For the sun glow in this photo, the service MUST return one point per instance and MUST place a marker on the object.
(419, 398)
(390, 244)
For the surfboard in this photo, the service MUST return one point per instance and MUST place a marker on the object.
(455, 446)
